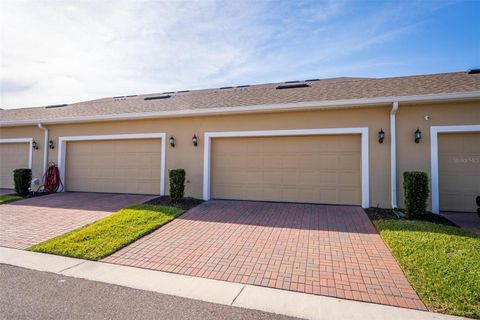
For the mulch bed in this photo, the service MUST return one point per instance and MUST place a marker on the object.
(387, 214)
(186, 204)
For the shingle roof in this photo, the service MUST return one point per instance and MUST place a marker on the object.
(264, 94)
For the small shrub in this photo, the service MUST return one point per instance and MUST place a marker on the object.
(416, 190)
(22, 179)
(177, 184)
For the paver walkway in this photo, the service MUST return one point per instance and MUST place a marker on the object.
(318, 249)
(27, 222)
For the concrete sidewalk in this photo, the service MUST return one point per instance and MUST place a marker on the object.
(234, 294)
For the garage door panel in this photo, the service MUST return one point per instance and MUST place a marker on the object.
(12, 156)
(292, 169)
(459, 171)
(349, 179)
(118, 166)
(348, 161)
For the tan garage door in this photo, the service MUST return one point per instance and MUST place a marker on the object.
(117, 166)
(314, 169)
(12, 156)
(459, 171)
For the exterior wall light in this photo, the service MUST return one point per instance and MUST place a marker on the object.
(172, 141)
(35, 145)
(381, 136)
(418, 135)
(50, 144)
(195, 140)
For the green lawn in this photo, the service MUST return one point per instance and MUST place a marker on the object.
(441, 262)
(9, 198)
(103, 237)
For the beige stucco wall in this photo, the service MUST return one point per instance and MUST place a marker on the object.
(411, 156)
(185, 155)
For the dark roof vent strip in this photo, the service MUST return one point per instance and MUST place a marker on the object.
(244, 86)
(56, 106)
(312, 80)
(292, 86)
(222, 88)
(473, 71)
(158, 97)
(183, 91)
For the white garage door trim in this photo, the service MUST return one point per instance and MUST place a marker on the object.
(434, 131)
(62, 148)
(300, 132)
(22, 140)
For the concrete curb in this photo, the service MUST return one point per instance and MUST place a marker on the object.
(277, 301)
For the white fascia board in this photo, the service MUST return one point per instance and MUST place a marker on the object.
(310, 105)
(295, 132)
(16, 140)
(114, 137)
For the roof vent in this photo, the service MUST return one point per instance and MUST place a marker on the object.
(169, 92)
(473, 71)
(183, 91)
(295, 81)
(312, 80)
(131, 96)
(222, 88)
(157, 97)
(292, 86)
(244, 86)
(56, 106)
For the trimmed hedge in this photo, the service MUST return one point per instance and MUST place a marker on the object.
(177, 184)
(416, 190)
(22, 179)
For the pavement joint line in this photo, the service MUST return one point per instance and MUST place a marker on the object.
(75, 265)
(277, 301)
(239, 293)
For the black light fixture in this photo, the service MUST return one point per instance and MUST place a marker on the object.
(35, 145)
(195, 140)
(381, 136)
(172, 141)
(418, 135)
(50, 144)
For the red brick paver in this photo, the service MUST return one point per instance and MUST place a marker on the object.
(31, 221)
(317, 249)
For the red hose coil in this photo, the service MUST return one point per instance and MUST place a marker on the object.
(51, 179)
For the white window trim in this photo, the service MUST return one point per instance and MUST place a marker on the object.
(62, 149)
(300, 132)
(434, 131)
(23, 140)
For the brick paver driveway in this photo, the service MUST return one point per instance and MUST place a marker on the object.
(31, 221)
(319, 249)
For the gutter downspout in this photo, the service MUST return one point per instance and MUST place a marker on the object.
(393, 155)
(45, 147)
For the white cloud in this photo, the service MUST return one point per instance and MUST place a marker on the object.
(66, 51)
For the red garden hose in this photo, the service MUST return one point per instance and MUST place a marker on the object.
(51, 179)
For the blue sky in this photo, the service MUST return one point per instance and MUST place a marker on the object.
(65, 51)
